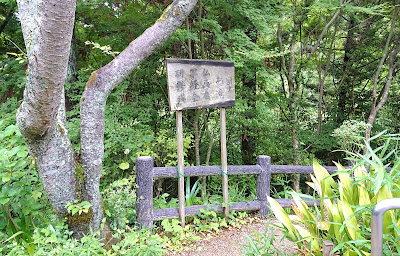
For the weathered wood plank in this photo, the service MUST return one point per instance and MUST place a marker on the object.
(290, 169)
(190, 211)
(144, 191)
(263, 183)
(192, 171)
(287, 203)
(196, 171)
(327, 248)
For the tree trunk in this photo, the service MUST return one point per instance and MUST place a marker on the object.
(249, 81)
(47, 28)
(248, 141)
(377, 104)
(344, 90)
(322, 72)
(289, 72)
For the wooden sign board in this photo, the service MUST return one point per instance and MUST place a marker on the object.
(196, 84)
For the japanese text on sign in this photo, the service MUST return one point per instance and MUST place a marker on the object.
(200, 83)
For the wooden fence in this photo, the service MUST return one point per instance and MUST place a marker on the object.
(146, 173)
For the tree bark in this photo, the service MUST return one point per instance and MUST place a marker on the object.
(47, 28)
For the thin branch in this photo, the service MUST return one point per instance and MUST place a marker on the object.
(327, 26)
(5, 22)
(385, 52)
(17, 46)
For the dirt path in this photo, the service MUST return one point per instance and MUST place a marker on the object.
(227, 242)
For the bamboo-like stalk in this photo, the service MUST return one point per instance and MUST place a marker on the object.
(224, 164)
(181, 182)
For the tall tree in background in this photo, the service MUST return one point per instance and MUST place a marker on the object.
(291, 70)
(390, 57)
(47, 27)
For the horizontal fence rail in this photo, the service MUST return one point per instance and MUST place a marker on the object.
(197, 171)
(146, 173)
(194, 171)
(190, 211)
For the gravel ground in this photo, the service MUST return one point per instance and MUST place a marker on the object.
(227, 242)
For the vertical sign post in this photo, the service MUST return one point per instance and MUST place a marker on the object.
(180, 171)
(194, 84)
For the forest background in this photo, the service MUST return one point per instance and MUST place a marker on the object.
(312, 78)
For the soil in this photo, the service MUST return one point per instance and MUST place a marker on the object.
(227, 242)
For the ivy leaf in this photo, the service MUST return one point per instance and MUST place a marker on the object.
(124, 166)
(22, 153)
(36, 194)
(74, 210)
(6, 177)
(167, 225)
(4, 200)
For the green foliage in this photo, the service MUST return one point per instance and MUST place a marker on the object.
(56, 239)
(21, 192)
(351, 135)
(177, 239)
(172, 225)
(130, 134)
(140, 243)
(208, 221)
(261, 244)
(191, 197)
(12, 75)
(119, 200)
(344, 216)
(78, 207)
(163, 201)
(241, 188)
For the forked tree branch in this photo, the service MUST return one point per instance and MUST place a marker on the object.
(104, 80)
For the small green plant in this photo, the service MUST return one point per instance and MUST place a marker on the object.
(162, 202)
(56, 239)
(207, 221)
(172, 226)
(139, 243)
(350, 135)
(119, 202)
(78, 207)
(191, 193)
(261, 244)
(21, 192)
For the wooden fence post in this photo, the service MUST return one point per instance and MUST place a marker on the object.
(144, 191)
(327, 248)
(263, 183)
